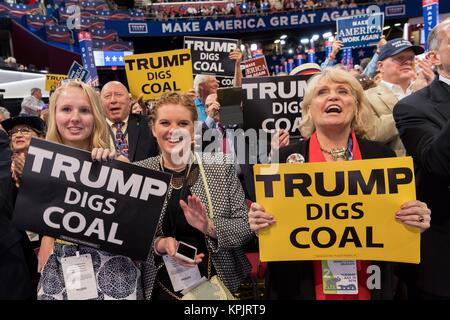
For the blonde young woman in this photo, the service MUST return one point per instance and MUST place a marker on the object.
(76, 119)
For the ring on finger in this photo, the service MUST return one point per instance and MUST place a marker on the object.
(421, 218)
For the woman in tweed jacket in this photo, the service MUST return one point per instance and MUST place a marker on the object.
(218, 235)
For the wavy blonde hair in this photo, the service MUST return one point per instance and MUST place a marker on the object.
(100, 135)
(360, 122)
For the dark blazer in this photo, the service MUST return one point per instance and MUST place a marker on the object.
(422, 120)
(141, 143)
(295, 279)
(246, 154)
(15, 280)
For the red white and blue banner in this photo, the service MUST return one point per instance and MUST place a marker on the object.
(120, 15)
(17, 10)
(430, 17)
(105, 34)
(94, 5)
(87, 23)
(58, 33)
(87, 56)
(110, 58)
(37, 21)
(105, 45)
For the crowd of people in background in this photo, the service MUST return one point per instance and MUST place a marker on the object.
(162, 10)
(11, 63)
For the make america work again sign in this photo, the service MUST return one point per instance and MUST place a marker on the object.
(112, 206)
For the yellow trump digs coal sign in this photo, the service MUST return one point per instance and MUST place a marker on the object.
(52, 81)
(337, 210)
(152, 74)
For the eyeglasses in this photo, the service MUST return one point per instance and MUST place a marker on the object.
(403, 60)
(23, 130)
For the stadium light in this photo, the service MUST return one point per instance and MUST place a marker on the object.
(304, 41)
(283, 37)
(327, 35)
(277, 41)
(315, 37)
(405, 31)
(282, 42)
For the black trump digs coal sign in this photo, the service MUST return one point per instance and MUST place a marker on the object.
(112, 206)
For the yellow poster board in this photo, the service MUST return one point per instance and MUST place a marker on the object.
(152, 74)
(337, 210)
(52, 80)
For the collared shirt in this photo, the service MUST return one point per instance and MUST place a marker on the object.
(211, 124)
(200, 109)
(371, 67)
(31, 106)
(113, 130)
(397, 90)
(444, 79)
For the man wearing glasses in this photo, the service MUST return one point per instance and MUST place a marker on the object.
(397, 66)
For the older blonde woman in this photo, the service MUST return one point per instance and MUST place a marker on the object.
(334, 125)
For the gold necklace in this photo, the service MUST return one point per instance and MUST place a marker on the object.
(336, 153)
(177, 182)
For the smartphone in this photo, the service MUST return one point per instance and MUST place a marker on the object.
(186, 252)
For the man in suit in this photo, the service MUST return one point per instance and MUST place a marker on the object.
(130, 133)
(422, 120)
(204, 84)
(219, 138)
(396, 64)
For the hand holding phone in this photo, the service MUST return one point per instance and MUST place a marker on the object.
(186, 252)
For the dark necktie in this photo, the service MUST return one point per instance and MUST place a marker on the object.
(225, 146)
(120, 139)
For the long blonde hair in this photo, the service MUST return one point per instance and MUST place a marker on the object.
(360, 123)
(99, 137)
